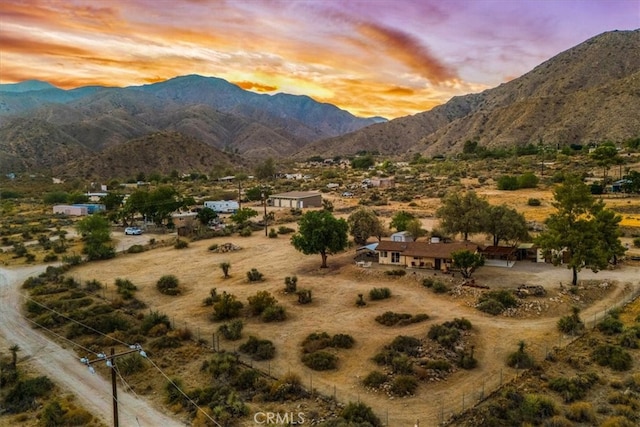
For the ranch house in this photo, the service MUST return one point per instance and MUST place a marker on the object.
(435, 256)
(296, 199)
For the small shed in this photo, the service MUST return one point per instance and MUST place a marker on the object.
(296, 199)
(222, 206)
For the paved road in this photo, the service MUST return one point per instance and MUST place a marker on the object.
(62, 366)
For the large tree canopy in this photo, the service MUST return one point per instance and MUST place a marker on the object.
(505, 224)
(463, 213)
(319, 232)
(363, 224)
(96, 234)
(582, 232)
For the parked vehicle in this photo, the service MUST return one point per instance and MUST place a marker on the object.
(132, 231)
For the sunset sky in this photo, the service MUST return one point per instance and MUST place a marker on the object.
(371, 57)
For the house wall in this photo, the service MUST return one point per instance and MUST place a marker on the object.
(305, 202)
(70, 210)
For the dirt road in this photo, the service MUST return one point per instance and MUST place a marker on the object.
(61, 365)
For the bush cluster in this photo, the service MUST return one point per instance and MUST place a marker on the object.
(495, 302)
(575, 388)
(376, 294)
(320, 360)
(613, 356)
(258, 349)
(390, 318)
(232, 331)
(168, 285)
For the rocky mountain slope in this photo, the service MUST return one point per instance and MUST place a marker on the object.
(588, 93)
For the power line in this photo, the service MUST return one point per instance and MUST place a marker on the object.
(101, 356)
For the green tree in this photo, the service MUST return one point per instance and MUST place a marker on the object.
(363, 162)
(206, 215)
(400, 220)
(162, 202)
(505, 224)
(242, 216)
(364, 223)
(266, 170)
(319, 232)
(225, 267)
(467, 262)
(507, 183)
(605, 156)
(582, 232)
(463, 213)
(112, 201)
(414, 226)
(96, 234)
(52, 415)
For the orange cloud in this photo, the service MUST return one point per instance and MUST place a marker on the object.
(408, 50)
(36, 47)
(258, 87)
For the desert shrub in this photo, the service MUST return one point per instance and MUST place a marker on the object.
(406, 344)
(258, 349)
(389, 318)
(360, 414)
(611, 324)
(398, 272)
(288, 387)
(290, 284)
(360, 302)
(227, 307)
(403, 385)
(629, 339)
(254, 275)
(520, 359)
(571, 324)
(613, 356)
(125, 288)
(246, 379)
(439, 287)
(459, 323)
(135, 249)
(575, 388)
(636, 242)
(274, 313)
(536, 408)
(168, 285)
(23, 396)
(50, 258)
(304, 296)
(285, 230)
(428, 282)
(153, 319)
(260, 302)
(446, 336)
(374, 379)
(320, 360)
(508, 183)
(245, 232)
(558, 421)
(316, 341)
(438, 365)
(52, 415)
(617, 421)
(379, 293)
(232, 331)
(212, 298)
(466, 360)
(131, 364)
(92, 285)
(273, 234)
(213, 247)
(533, 202)
(72, 259)
(342, 341)
(581, 412)
(181, 244)
(495, 302)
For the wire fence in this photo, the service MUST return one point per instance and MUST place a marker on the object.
(442, 406)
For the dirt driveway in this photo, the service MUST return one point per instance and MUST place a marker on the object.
(333, 310)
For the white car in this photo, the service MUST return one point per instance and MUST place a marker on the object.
(132, 231)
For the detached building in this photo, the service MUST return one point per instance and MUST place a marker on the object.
(296, 199)
(70, 210)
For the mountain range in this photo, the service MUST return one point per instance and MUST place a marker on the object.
(588, 93)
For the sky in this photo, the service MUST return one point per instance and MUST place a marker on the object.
(387, 58)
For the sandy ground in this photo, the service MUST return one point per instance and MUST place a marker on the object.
(333, 310)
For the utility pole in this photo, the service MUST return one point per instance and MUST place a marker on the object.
(111, 363)
(264, 203)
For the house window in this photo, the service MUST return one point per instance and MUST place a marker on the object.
(395, 256)
(383, 254)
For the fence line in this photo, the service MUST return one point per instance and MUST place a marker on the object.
(447, 405)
